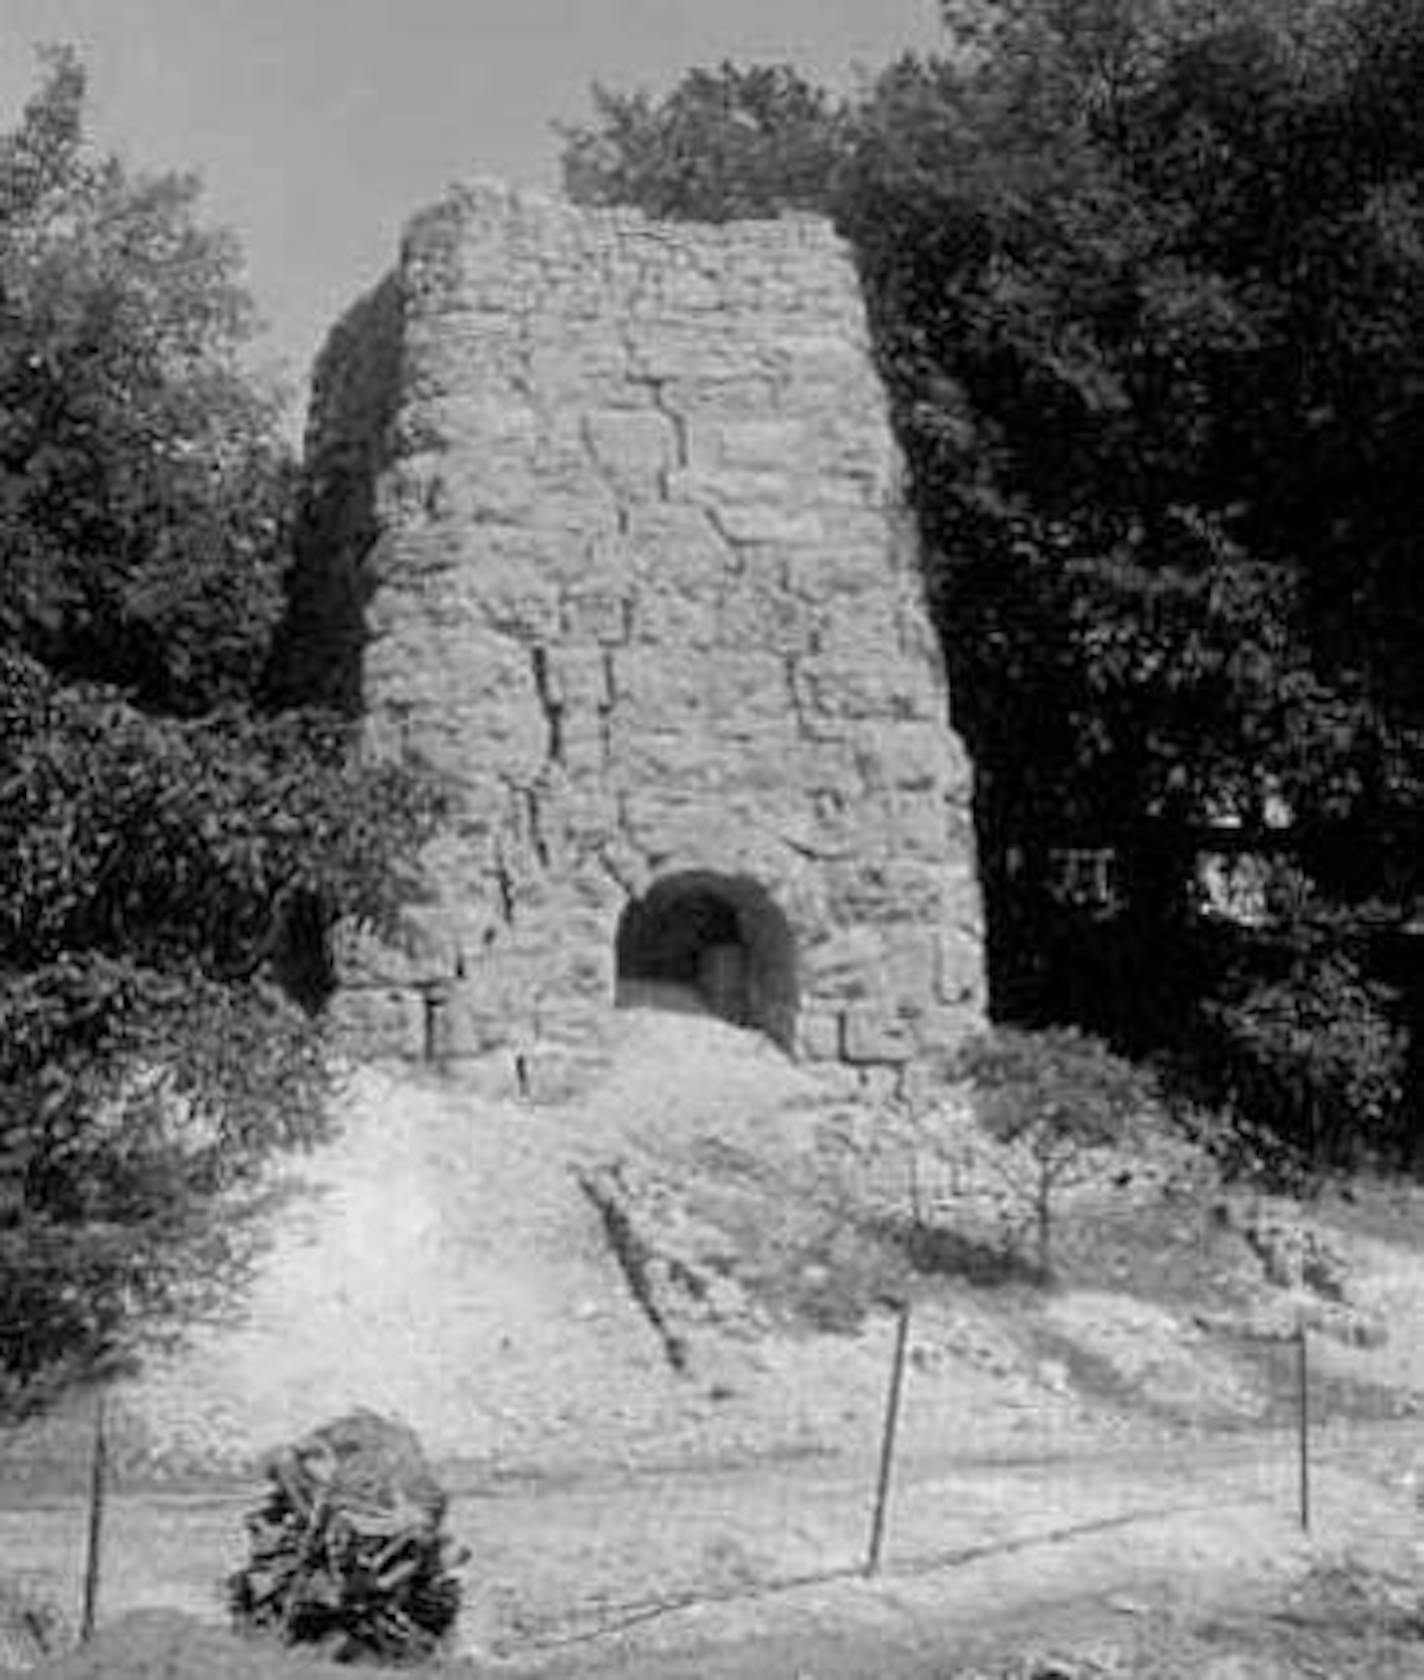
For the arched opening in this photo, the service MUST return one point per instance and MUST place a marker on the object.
(714, 942)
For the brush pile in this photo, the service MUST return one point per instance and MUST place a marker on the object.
(347, 1549)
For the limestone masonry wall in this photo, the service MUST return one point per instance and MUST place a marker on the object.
(636, 578)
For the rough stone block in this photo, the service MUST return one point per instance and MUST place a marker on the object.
(830, 358)
(875, 1035)
(685, 353)
(818, 1036)
(569, 369)
(550, 1076)
(528, 615)
(750, 394)
(865, 690)
(674, 618)
(727, 487)
(959, 972)
(597, 615)
(768, 619)
(650, 750)
(824, 570)
(760, 523)
(506, 554)
(884, 892)
(917, 825)
(657, 689)
(762, 445)
(359, 959)
(843, 964)
(634, 449)
(860, 631)
(745, 685)
(927, 1083)
(416, 494)
(374, 1024)
(879, 1084)
(910, 966)
(486, 418)
(912, 758)
(962, 902)
(941, 1033)
(578, 511)
(466, 1023)
(494, 1077)
(578, 678)
(587, 809)
(835, 829)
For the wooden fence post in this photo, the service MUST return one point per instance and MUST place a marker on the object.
(98, 1492)
(887, 1441)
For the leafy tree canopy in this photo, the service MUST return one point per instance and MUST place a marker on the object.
(725, 143)
(159, 836)
(144, 486)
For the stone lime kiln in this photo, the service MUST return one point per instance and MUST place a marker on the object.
(604, 523)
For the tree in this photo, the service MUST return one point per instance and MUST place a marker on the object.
(725, 143)
(144, 485)
(159, 836)
(1145, 292)
(1314, 1058)
(1059, 1101)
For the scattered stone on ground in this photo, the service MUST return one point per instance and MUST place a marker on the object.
(448, 1265)
(1152, 1354)
(1294, 1251)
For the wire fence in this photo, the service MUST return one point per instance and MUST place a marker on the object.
(934, 1493)
(931, 1484)
(978, 1420)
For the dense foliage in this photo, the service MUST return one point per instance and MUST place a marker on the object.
(1148, 289)
(159, 837)
(144, 484)
(726, 143)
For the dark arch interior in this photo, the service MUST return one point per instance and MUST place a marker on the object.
(712, 941)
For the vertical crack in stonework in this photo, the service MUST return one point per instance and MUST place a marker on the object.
(534, 818)
(607, 701)
(655, 627)
(551, 705)
(791, 668)
(504, 886)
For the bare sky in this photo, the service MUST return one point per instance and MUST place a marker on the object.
(319, 126)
